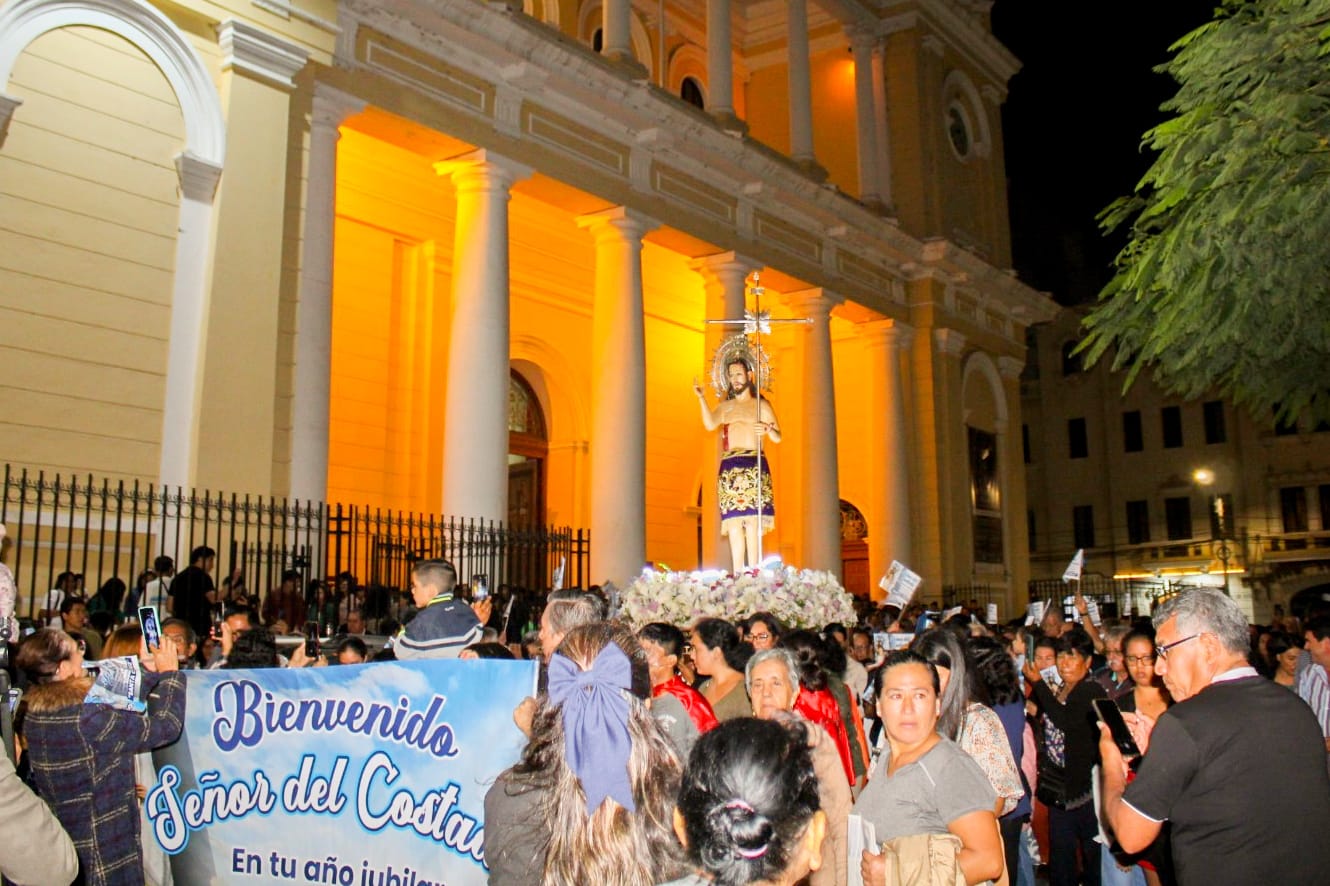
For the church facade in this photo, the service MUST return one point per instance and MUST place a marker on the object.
(459, 257)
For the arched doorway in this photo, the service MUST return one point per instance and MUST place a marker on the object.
(854, 550)
(528, 446)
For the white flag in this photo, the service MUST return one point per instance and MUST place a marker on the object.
(1074, 568)
(900, 584)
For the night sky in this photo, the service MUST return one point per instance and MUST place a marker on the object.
(1073, 122)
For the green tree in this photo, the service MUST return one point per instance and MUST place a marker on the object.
(1224, 284)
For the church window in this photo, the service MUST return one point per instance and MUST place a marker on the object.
(691, 91)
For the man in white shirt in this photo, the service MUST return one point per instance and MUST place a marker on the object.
(55, 598)
(157, 591)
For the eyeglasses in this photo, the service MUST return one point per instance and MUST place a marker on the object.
(762, 636)
(1162, 651)
(1141, 659)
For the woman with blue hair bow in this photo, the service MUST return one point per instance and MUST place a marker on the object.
(591, 800)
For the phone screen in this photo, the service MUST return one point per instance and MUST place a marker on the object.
(1110, 716)
(152, 630)
(311, 638)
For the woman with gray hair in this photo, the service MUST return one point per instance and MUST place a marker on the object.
(772, 680)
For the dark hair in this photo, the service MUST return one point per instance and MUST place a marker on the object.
(69, 603)
(903, 657)
(490, 650)
(356, 645)
(40, 654)
(290, 575)
(1279, 643)
(112, 591)
(101, 621)
(669, 638)
(1318, 627)
(772, 623)
(431, 572)
(162, 564)
(1076, 641)
(747, 798)
(202, 552)
(255, 648)
(940, 648)
(994, 674)
(717, 633)
(1046, 642)
(809, 650)
(250, 614)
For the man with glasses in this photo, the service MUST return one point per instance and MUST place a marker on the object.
(1230, 739)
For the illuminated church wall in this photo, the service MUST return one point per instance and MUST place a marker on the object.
(88, 209)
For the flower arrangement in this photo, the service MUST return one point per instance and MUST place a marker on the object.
(802, 598)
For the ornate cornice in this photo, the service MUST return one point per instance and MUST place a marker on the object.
(259, 54)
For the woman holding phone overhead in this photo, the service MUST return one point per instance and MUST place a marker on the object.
(82, 750)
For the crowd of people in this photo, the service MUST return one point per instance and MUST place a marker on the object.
(737, 752)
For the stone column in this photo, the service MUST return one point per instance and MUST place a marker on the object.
(724, 277)
(889, 505)
(800, 85)
(821, 493)
(862, 43)
(616, 34)
(953, 457)
(618, 368)
(1011, 469)
(235, 346)
(313, 357)
(720, 69)
(475, 431)
(883, 131)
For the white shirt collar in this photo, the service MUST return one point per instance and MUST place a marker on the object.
(1239, 673)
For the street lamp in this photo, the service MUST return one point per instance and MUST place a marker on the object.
(1205, 478)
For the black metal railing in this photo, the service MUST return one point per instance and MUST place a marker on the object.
(110, 529)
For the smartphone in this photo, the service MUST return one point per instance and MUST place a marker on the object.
(152, 628)
(1108, 714)
(480, 586)
(216, 630)
(312, 639)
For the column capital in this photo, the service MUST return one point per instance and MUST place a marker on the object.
(813, 303)
(1010, 367)
(8, 105)
(259, 54)
(482, 169)
(198, 177)
(892, 333)
(332, 106)
(725, 262)
(863, 37)
(949, 341)
(617, 221)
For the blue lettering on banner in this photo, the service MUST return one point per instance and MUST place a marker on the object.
(245, 713)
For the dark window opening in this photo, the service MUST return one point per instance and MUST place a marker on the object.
(1133, 439)
(1071, 363)
(1082, 526)
(1171, 419)
(1215, 431)
(1138, 522)
(691, 91)
(1077, 442)
(1293, 508)
(1177, 516)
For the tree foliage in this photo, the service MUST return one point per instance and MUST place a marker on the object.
(1224, 284)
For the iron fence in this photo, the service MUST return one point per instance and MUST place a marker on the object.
(105, 529)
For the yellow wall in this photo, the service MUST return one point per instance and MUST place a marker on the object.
(88, 211)
(835, 127)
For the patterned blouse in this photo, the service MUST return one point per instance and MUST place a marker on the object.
(983, 738)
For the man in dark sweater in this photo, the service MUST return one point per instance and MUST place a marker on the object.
(193, 593)
(1232, 738)
(443, 625)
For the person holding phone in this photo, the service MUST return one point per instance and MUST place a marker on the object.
(82, 752)
(1067, 755)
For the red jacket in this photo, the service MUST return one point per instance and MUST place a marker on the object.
(820, 707)
(698, 708)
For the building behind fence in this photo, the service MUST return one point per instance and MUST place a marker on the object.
(103, 530)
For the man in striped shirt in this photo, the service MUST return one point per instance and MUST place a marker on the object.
(1313, 684)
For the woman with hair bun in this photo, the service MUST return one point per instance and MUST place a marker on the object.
(748, 806)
